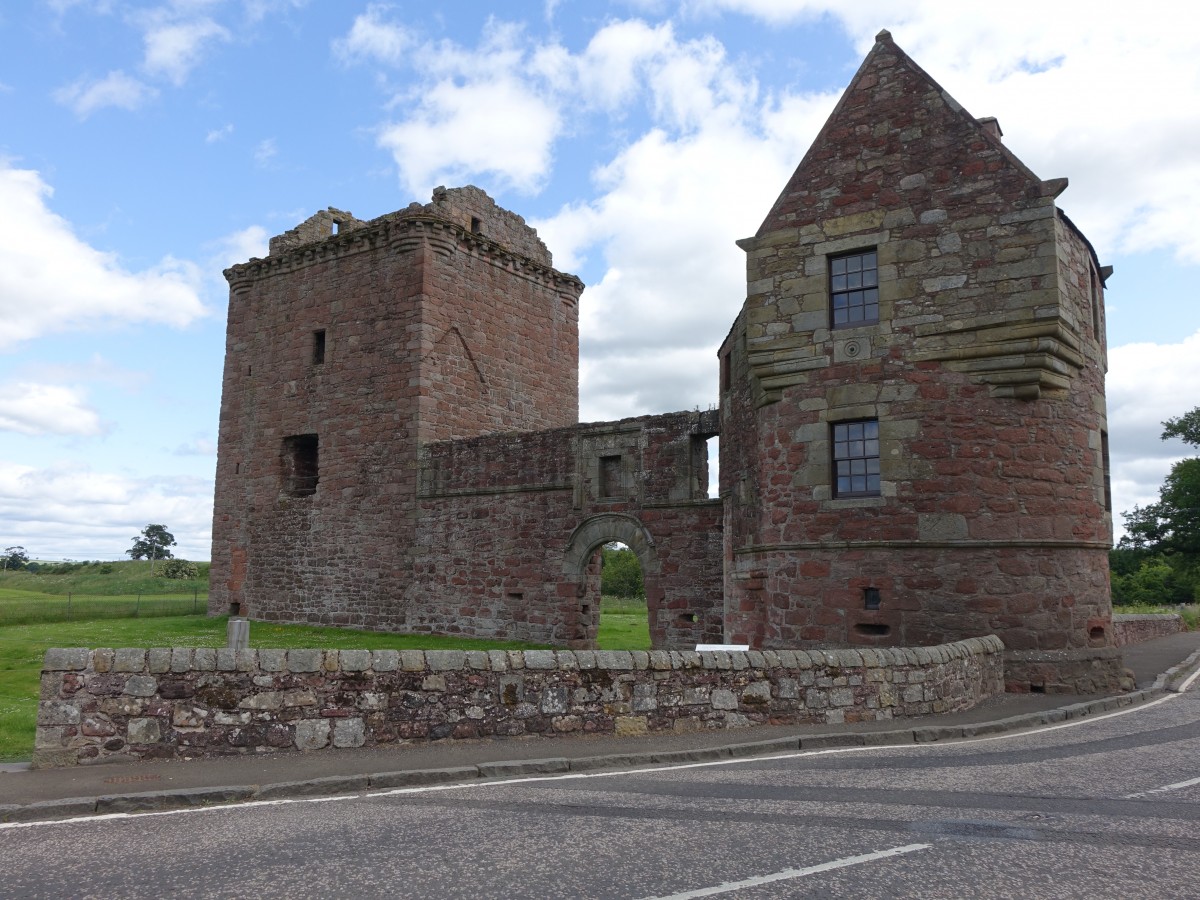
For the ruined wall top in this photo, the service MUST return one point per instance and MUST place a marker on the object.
(318, 227)
(467, 207)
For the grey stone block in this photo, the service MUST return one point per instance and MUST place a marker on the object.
(385, 660)
(314, 787)
(129, 659)
(158, 660)
(723, 699)
(272, 660)
(57, 712)
(304, 660)
(355, 660)
(349, 733)
(566, 659)
(141, 686)
(507, 769)
(445, 660)
(70, 659)
(247, 660)
(417, 777)
(540, 659)
(181, 659)
(226, 659)
(205, 659)
(144, 731)
(478, 660)
(312, 734)
(498, 660)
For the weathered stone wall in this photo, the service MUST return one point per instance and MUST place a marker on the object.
(1133, 629)
(510, 522)
(984, 371)
(184, 703)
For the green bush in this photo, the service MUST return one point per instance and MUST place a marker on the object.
(621, 575)
(179, 569)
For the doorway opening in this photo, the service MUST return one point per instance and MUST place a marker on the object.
(624, 617)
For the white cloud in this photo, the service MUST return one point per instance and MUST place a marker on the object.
(173, 48)
(198, 445)
(218, 134)
(239, 246)
(265, 151)
(67, 510)
(117, 89)
(40, 409)
(372, 38)
(52, 281)
(1147, 384)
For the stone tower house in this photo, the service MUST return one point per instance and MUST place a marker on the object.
(914, 444)
(349, 347)
(912, 419)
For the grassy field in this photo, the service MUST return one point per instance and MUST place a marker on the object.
(20, 607)
(623, 625)
(103, 579)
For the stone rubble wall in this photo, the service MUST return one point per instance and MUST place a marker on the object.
(1134, 629)
(106, 704)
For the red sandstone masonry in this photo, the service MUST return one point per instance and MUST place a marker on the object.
(1134, 629)
(184, 703)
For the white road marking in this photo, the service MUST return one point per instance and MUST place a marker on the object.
(675, 767)
(788, 874)
(1179, 785)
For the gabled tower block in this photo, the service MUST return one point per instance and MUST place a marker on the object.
(913, 421)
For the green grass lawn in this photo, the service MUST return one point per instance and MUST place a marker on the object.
(22, 648)
(105, 579)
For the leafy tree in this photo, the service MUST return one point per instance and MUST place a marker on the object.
(621, 575)
(1166, 533)
(152, 544)
(14, 558)
(1153, 583)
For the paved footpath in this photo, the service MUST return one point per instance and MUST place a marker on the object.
(28, 795)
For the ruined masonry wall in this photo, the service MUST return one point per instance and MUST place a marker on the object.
(175, 703)
(1133, 629)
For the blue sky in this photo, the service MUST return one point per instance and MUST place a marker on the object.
(145, 146)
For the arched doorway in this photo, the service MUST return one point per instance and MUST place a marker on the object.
(581, 567)
(624, 623)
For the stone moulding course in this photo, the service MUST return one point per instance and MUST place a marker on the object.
(133, 703)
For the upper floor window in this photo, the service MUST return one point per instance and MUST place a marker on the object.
(856, 458)
(854, 289)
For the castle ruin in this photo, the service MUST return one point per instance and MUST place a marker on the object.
(912, 419)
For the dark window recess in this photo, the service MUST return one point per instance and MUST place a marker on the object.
(854, 289)
(872, 629)
(871, 598)
(476, 226)
(1095, 306)
(318, 347)
(300, 465)
(1107, 474)
(610, 476)
(726, 373)
(856, 459)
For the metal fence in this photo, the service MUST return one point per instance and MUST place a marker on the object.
(76, 607)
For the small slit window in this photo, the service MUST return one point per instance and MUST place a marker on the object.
(856, 458)
(300, 465)
(318, 347)
(1104, 460)
(854, 289)
(476, 226)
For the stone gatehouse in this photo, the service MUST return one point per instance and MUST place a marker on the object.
(911, 411)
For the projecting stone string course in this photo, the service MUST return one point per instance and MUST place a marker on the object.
(184, 703)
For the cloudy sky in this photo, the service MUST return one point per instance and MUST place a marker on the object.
(145, 146)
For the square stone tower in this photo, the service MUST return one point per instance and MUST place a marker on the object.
(350, 346)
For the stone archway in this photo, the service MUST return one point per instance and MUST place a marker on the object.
(590, 535)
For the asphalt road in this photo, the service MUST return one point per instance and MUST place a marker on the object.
(1104, 807)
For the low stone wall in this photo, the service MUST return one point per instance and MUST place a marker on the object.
(1133, 629)
(181, 703)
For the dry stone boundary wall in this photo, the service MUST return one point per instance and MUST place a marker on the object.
(186, 703)
(1131, 628)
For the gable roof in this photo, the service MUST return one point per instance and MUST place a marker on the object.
(895, 126)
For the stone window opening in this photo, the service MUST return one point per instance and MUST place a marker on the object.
(726, 373)
(854, 289)
(871, 598)
(611, 481)
(300, 465)
(1095, 305)
(476, 225)
(856, 458)
(337, 227)
(318, 347)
